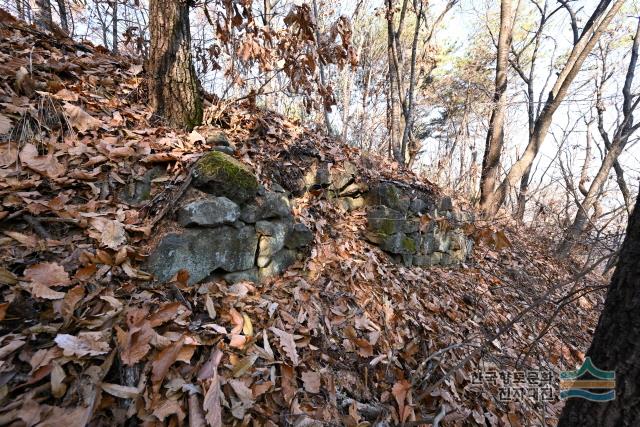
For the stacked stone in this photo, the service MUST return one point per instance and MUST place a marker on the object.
(415, 230)
(239, 230)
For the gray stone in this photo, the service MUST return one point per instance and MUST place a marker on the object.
(279, 263)
(224, 149)
(272, 239)
(298, 237)
(202, 251)
(435, 258)
(421, 260)
(353, 189)
(138, 189)
(274, 205)
(341, 177)
(429, 244)
(418, 206)
(384, 220)
(218, 138)
(446, 204)
(250, 275)
(399, 243)
(209, 212)
(222, 175)
(389, 195)
(407, 260)
(249, 214)
(411, 225)
(349, 203)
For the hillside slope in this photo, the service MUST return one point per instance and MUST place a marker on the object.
(346, 336)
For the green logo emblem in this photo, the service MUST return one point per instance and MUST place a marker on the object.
(599, 386)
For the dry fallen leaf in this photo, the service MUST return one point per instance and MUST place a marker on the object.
(112, 233)
(163, 362)
(47, 274)
(311, 381)
(46, 164)
(121, 391)
(211, 402)
(80, 119)
(85, 344)
(288, 344)
(5, 125)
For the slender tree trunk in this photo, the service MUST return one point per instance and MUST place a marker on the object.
(579, 53)
(62, 11)
(615, 147)
(20, 9)
(323, 80)
(42, 14)
(173, 86)
(114, 27)
(393, 108)
(616, 344)
(495, 135)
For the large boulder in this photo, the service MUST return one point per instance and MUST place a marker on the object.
(209, 212)
(219, 174)
(201, 251)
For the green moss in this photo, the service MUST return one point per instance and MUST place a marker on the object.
(220, 174)
(409, 245)
(387, 226)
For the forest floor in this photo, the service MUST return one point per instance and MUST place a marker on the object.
(346, 338)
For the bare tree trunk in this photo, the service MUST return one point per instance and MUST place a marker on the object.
(114, 27)
(393, 108)
(173, 87)
(20, 9)
(495, 135)
(590, 35)
(408, 111)
(42, 14)
(616, 344)
(62, 11)
(621, 136)
(323, 80)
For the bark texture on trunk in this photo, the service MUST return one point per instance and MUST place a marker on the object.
(616, 344)
(42, 14)
(173, 86)
(495, 135)
(62, 11)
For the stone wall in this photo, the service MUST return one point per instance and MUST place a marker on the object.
(415, 227)
(236, 230)
(416, 230)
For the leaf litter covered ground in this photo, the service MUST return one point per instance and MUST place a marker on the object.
(345, 338)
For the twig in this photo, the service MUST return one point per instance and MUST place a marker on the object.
(170, 207)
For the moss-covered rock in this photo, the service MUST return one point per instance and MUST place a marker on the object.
(219, 174)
